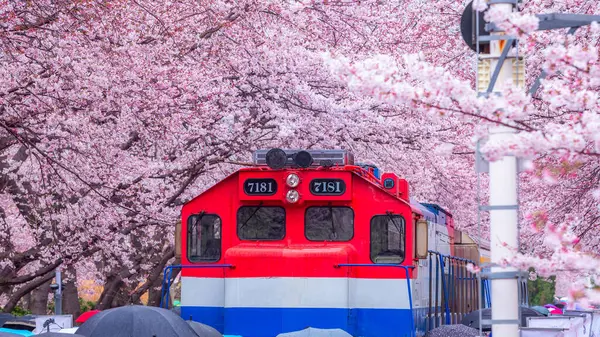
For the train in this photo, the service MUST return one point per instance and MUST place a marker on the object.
(311, 238)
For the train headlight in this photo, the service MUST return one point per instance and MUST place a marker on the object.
(292, 196)
(292, 180)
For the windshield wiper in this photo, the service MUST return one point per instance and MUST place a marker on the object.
(252, 215)
(200, 215)
(400, 232)
(334, 234)
(195, 227)
(389, 214)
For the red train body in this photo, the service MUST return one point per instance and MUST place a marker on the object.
(328, 245)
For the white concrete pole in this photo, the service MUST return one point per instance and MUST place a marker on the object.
(503, 222)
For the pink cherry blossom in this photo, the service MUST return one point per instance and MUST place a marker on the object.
(113, 114)
(473, 268)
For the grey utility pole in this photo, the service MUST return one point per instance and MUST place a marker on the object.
(58, 294)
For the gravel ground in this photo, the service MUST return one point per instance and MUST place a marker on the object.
(456, 330)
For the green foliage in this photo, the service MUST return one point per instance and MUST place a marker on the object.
(83, 305)
(18, 311)
(541, 291)
(86, 305)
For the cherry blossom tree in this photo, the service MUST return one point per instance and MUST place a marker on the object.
(558, 128)
(114, 113)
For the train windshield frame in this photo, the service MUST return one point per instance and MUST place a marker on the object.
(329, 223)
(261, 223)
(388, 239)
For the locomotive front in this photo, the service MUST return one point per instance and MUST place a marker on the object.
(291, 243)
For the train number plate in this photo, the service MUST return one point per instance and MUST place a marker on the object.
(327, 187)
(260, 186)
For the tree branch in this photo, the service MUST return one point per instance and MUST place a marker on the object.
(26, 289)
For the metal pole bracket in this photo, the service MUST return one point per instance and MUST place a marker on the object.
(503, 275)
(500, 321)
(498, 207)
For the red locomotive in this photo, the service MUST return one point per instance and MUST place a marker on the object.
(311, 239)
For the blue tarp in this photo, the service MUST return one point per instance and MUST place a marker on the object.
(17, 332)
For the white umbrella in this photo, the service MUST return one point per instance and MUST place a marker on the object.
(315, 332)
(69, 330)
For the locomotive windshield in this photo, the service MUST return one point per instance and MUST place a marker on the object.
(329, 223)
(261, 223)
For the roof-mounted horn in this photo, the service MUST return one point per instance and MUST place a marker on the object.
(302, 158)
(276, 159)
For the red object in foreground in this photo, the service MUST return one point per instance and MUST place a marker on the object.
(86, 315)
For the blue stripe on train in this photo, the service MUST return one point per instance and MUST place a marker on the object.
(269, 322)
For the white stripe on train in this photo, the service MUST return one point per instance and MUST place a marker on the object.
(295, 292)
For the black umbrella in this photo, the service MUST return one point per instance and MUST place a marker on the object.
(59, 334)
(204, 330)
(472, 319)
(5, 317)
(20, 323)
(136, 321)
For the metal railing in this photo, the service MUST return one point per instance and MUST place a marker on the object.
(406, 268)
(454, 304)
(486, 293)
(167, 276)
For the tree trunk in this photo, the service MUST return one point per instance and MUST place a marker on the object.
(70, 295)
(122, 298)
(154, 280)
(26, 301)
(26, 289)
(111, 289)
(38, 305)
(154, 293)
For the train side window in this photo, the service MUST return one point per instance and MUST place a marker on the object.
(204, 238)
(387, 239)
(329, 223)
(261, 223)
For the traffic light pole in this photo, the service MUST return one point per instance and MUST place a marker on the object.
(503, 199)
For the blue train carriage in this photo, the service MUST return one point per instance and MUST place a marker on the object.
(444, 287)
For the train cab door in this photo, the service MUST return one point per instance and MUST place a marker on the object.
(423, 238)
(419, 304)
